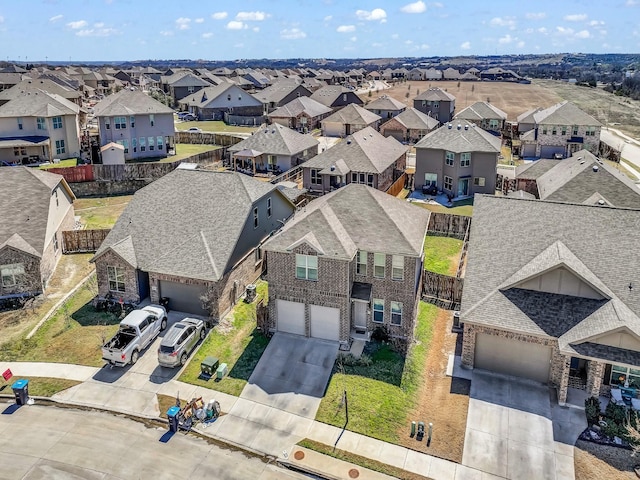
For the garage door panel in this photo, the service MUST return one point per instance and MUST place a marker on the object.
(183, 297)
(325, 322)
(290, 317)
(513, 357)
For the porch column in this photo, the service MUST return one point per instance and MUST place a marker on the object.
(563, 365)
(468, 346)
(595, 372)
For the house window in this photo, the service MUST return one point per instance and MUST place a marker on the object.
(574, 130)
(10, 274)
(306, 267)
(229, 97)
(107, 125)
(41, 123)
(269, 207)
(370, 180)
(564, 129)
(19, 124)
(397, 267)
(272, 160)
(55, 242)
(396, 313)
(378, 310)
(152, 120)
(190, 89)
(361, 264)
(151, 143)
(258, 254)
(620, 375)
(160, 142)
(125, 144)
(544, 129)
(120, 122)
(305, 153)
(116, 279)
(57, 123)
(378, 264)
(134, 144)
(55, 193)
(494, 124)
(449, 158)
(344, 97)
(316, 179)
(591, 131)
(478, 181)
(59, 147)
(436, 104)
(554, 130)
(465, 159)
(430, 179)
(143, 144)
(17, 151)
(424, 104)
(448, 183)
(255, 217)
(132, 121)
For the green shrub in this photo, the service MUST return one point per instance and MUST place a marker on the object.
(592, 410)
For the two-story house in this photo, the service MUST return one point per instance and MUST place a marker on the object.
(191, 236)
(349, 120)
(409, 126)
(38, 126)
(336, 96)
(302, 114)
(386, 107)
(365, 157)
(459, 158)
(349, 263)
(223, 102)
(141, 124)
(181, 84)
(560, 131)
(280, 93)
(37, 206)
(485, 115)
(436, 103)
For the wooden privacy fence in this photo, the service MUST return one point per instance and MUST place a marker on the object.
(442, 290)
(82, 241)
(397, 186)
(208, 138)
(463, 253)
(292, 175)
(448, 225)
(81, 173)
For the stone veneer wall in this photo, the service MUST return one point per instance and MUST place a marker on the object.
(110, 259)
(51, 256)
(31, 282)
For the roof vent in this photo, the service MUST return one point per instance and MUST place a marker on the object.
(581, 160)
(333, 168)
(348, 142)
(459, 126)
(601, 202)
(449, 126)
(466, 127)
(595, 168)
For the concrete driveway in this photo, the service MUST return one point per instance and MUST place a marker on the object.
(510, 430)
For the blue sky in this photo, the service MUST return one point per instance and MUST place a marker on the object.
(114, 30)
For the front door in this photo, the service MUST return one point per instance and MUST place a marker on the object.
(360, 316)
(463, 187)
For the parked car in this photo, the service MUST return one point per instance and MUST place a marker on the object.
(137, 331)
(187, 116)
(194, 130)
(179, 341)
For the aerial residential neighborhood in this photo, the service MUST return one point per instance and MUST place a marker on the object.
(322, 244)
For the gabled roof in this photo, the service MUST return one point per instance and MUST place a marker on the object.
(353, 114)
(459, 137)
(381, 223)
(185, 79)
(279, 90)
(26, 196)
(480, 111)
(38, 103)
(564, 113)
(385, 103)
(527, 117)
(187, 223)
(44, 84)
(276, 139)
(534, 170)
(208, 95)
(299, 105)
(329, 94)
(436, 94)
(129, 102)
(414, 119)
(363, 151)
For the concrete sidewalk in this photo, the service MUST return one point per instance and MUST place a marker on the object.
(248, 424)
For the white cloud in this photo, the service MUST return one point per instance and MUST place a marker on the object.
(256, 29)
(183, 23)
(292, 34)
(520, 44)
(424, 46)
(395, 36)
(408, 42)
(55, 18)
(328, 18)
(437, 5)
(98, 25)
(377, 45)
(466, 46)
(199, 20)
(595, 23)
(529, 30)
(252, 16)
(632, 3)
(96, 32)
(583, 34)
(536, 16)
(373, 15)
(576, 17)
(416, 7)
(233, 25)
(564, 31)
(1, 19)
(207, 35)
(239, 45)
(543, 30)
(77, 25)
(354, 39)
(509, 22)
(166, 33)
(346, 28)
(505, 40)
(219, 15)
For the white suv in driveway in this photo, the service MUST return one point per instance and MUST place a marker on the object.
(178, 342)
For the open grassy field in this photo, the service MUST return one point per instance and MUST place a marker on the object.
(214, 126)
(101, 212)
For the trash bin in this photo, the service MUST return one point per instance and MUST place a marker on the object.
(209, 365)
(164, 301)
(21, 391)
(250, 294)
(172, 415)
(222, 371)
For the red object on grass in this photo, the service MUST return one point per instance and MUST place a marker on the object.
(7, 374)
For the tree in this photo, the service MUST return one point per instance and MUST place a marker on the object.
(473, 87)
(369, 93)
(406, 95)
(458, 84)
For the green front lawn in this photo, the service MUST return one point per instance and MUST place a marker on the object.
(380, 395)
(101, 212)
(441, 254)
(234, 341)
(215, 126)
(43, 386)
(71, 162)
(463, 207)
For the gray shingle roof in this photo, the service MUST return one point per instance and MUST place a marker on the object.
(129, 102)
(548, 235)
(276, 139)
(527, 117)
(460, 137)
(435, 94)
(414, 119)
(353, 114)
(380, 223)
(564, 113)
(298, 105)
(363, 151)
(278, 91)
(38, 103)
(533, 170)
(328, 94)
(44, 84)
(481, 111)
(187, 223)
(209, 95)
(25, 194)
(385, 103)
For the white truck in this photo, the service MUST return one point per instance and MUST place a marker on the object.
(137, 331)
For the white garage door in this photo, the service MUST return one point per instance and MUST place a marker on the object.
(290, 317)
(325, 322)
(332, 129)
(513, 357)
(183, 297)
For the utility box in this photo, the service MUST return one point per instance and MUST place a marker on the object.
(209, 366)
(222, 371)
(21, 391)
(172, 415)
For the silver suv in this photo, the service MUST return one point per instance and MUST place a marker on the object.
(179, 341)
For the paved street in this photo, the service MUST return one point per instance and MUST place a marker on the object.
(629, 147)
